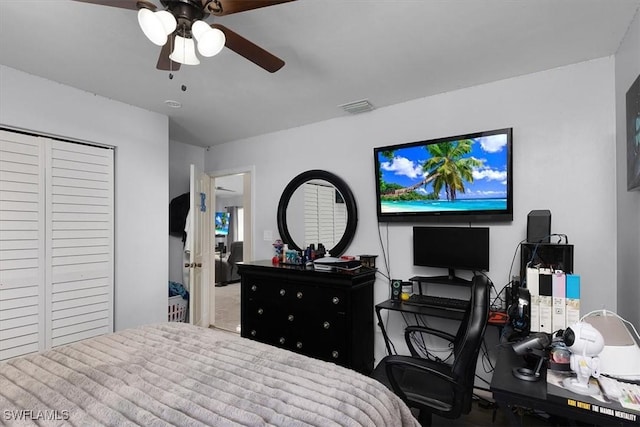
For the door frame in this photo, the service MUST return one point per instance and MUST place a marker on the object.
(248, 195)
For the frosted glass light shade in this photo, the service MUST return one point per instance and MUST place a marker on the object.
(184, 51)
(156, 25)
(210, 40)
(168, 21)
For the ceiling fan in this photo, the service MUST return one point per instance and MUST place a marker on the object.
(181, 24)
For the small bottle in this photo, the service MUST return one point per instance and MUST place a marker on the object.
(285, 248)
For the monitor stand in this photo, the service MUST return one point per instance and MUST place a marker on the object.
(450, 279)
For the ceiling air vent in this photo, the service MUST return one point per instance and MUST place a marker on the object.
(357, 106)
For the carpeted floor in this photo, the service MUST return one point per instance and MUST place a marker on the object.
(228, 307)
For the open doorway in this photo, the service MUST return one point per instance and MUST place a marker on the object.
(232, 244)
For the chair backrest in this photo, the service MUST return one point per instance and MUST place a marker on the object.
(235, 253)
(469, 339)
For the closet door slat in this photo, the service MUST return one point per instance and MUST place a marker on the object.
(22, 247)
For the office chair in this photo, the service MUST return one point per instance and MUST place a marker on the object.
(235, 256)
(434, 386)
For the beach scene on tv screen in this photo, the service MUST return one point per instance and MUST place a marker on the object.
(458, 175)
(222, 223)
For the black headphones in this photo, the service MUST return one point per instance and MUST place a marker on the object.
(520, 312)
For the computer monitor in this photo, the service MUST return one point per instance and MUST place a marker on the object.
(453, 248)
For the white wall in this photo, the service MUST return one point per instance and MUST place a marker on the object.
(181, 156)
(141, 184)
(628, 215)
(564, 159)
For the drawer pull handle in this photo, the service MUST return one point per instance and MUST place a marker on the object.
(335, 300)
(254, 288)
(253, 333)
(298, 344)
(282, 292)
(290, 318)
(299, 295)
(281, 340)
(260, 311)
(335, 354)
(326, 325)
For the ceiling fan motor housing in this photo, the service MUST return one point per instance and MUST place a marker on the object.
(186, 13)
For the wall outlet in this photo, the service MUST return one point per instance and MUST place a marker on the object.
(267, 235)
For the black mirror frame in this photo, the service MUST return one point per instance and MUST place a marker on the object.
(349, 200)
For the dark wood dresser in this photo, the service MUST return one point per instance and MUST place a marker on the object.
(327, 315)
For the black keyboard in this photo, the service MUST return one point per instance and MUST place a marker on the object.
(438, 302)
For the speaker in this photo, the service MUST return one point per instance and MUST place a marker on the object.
(539, 226)
(396, 289)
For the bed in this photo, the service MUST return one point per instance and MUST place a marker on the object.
(179, 374)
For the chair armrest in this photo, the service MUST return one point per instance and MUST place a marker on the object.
(424, 330)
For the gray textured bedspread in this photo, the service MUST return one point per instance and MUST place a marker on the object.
(178, 374)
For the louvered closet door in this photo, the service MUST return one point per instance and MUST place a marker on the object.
(79, 276)
(22, 236)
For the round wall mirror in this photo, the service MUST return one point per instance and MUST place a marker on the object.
(317, 207)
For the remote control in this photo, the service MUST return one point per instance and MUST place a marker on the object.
(610, 387)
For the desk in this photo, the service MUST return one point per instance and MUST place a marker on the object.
(510, 392)
(393, 305)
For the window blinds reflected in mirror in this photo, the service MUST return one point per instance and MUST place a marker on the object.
(325, 214)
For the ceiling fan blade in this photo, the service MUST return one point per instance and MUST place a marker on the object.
(164, 62)
(227, 7)
(123, 4)
(249, 50)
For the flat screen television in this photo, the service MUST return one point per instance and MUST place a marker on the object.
(222, 223)
(453, 248)
(464, 178)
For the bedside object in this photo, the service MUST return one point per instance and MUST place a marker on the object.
(327, 315)
(368, 260)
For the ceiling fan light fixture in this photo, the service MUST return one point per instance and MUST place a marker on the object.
(168, 21)
(156, 25)
(210, 40)
(184, 51)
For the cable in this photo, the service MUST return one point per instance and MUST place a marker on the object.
(492, 304)
(386, 328)
(486, 359)
(538, 243)
(515, 252)
(386, 261)
(485, 381)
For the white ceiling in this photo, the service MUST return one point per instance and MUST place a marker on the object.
(229, 186)
(336, 51)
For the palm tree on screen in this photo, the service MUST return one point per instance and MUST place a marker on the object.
(447, 168)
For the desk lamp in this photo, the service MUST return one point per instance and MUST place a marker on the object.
(585, 343)
(534, 344)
